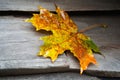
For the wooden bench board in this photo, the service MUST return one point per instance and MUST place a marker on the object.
(19, 47)
(108, 40)
(20, 44)
(52, 76)
(67, 5)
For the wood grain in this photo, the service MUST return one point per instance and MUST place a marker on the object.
(67, 5)
(108, 40)
(51, 76)
(20, 44)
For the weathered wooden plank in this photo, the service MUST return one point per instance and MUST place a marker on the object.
(19, 45)
(52, 76)
(109, 42)
(68, 5)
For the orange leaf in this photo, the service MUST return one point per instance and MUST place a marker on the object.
(65, 37)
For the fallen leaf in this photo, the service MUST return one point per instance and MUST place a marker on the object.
(65, 36)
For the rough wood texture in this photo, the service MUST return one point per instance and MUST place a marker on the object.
(52, 76)
(68, 5)
(19, 44)
(109, 42)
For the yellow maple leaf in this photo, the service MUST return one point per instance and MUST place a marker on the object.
(65, 37)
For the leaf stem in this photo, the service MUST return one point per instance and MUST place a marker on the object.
(92, 26)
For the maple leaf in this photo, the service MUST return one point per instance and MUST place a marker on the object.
(65, 37)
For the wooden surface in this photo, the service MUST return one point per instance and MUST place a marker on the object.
(67, 5)
(20, 44)
(52, 76)
(108, 40)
